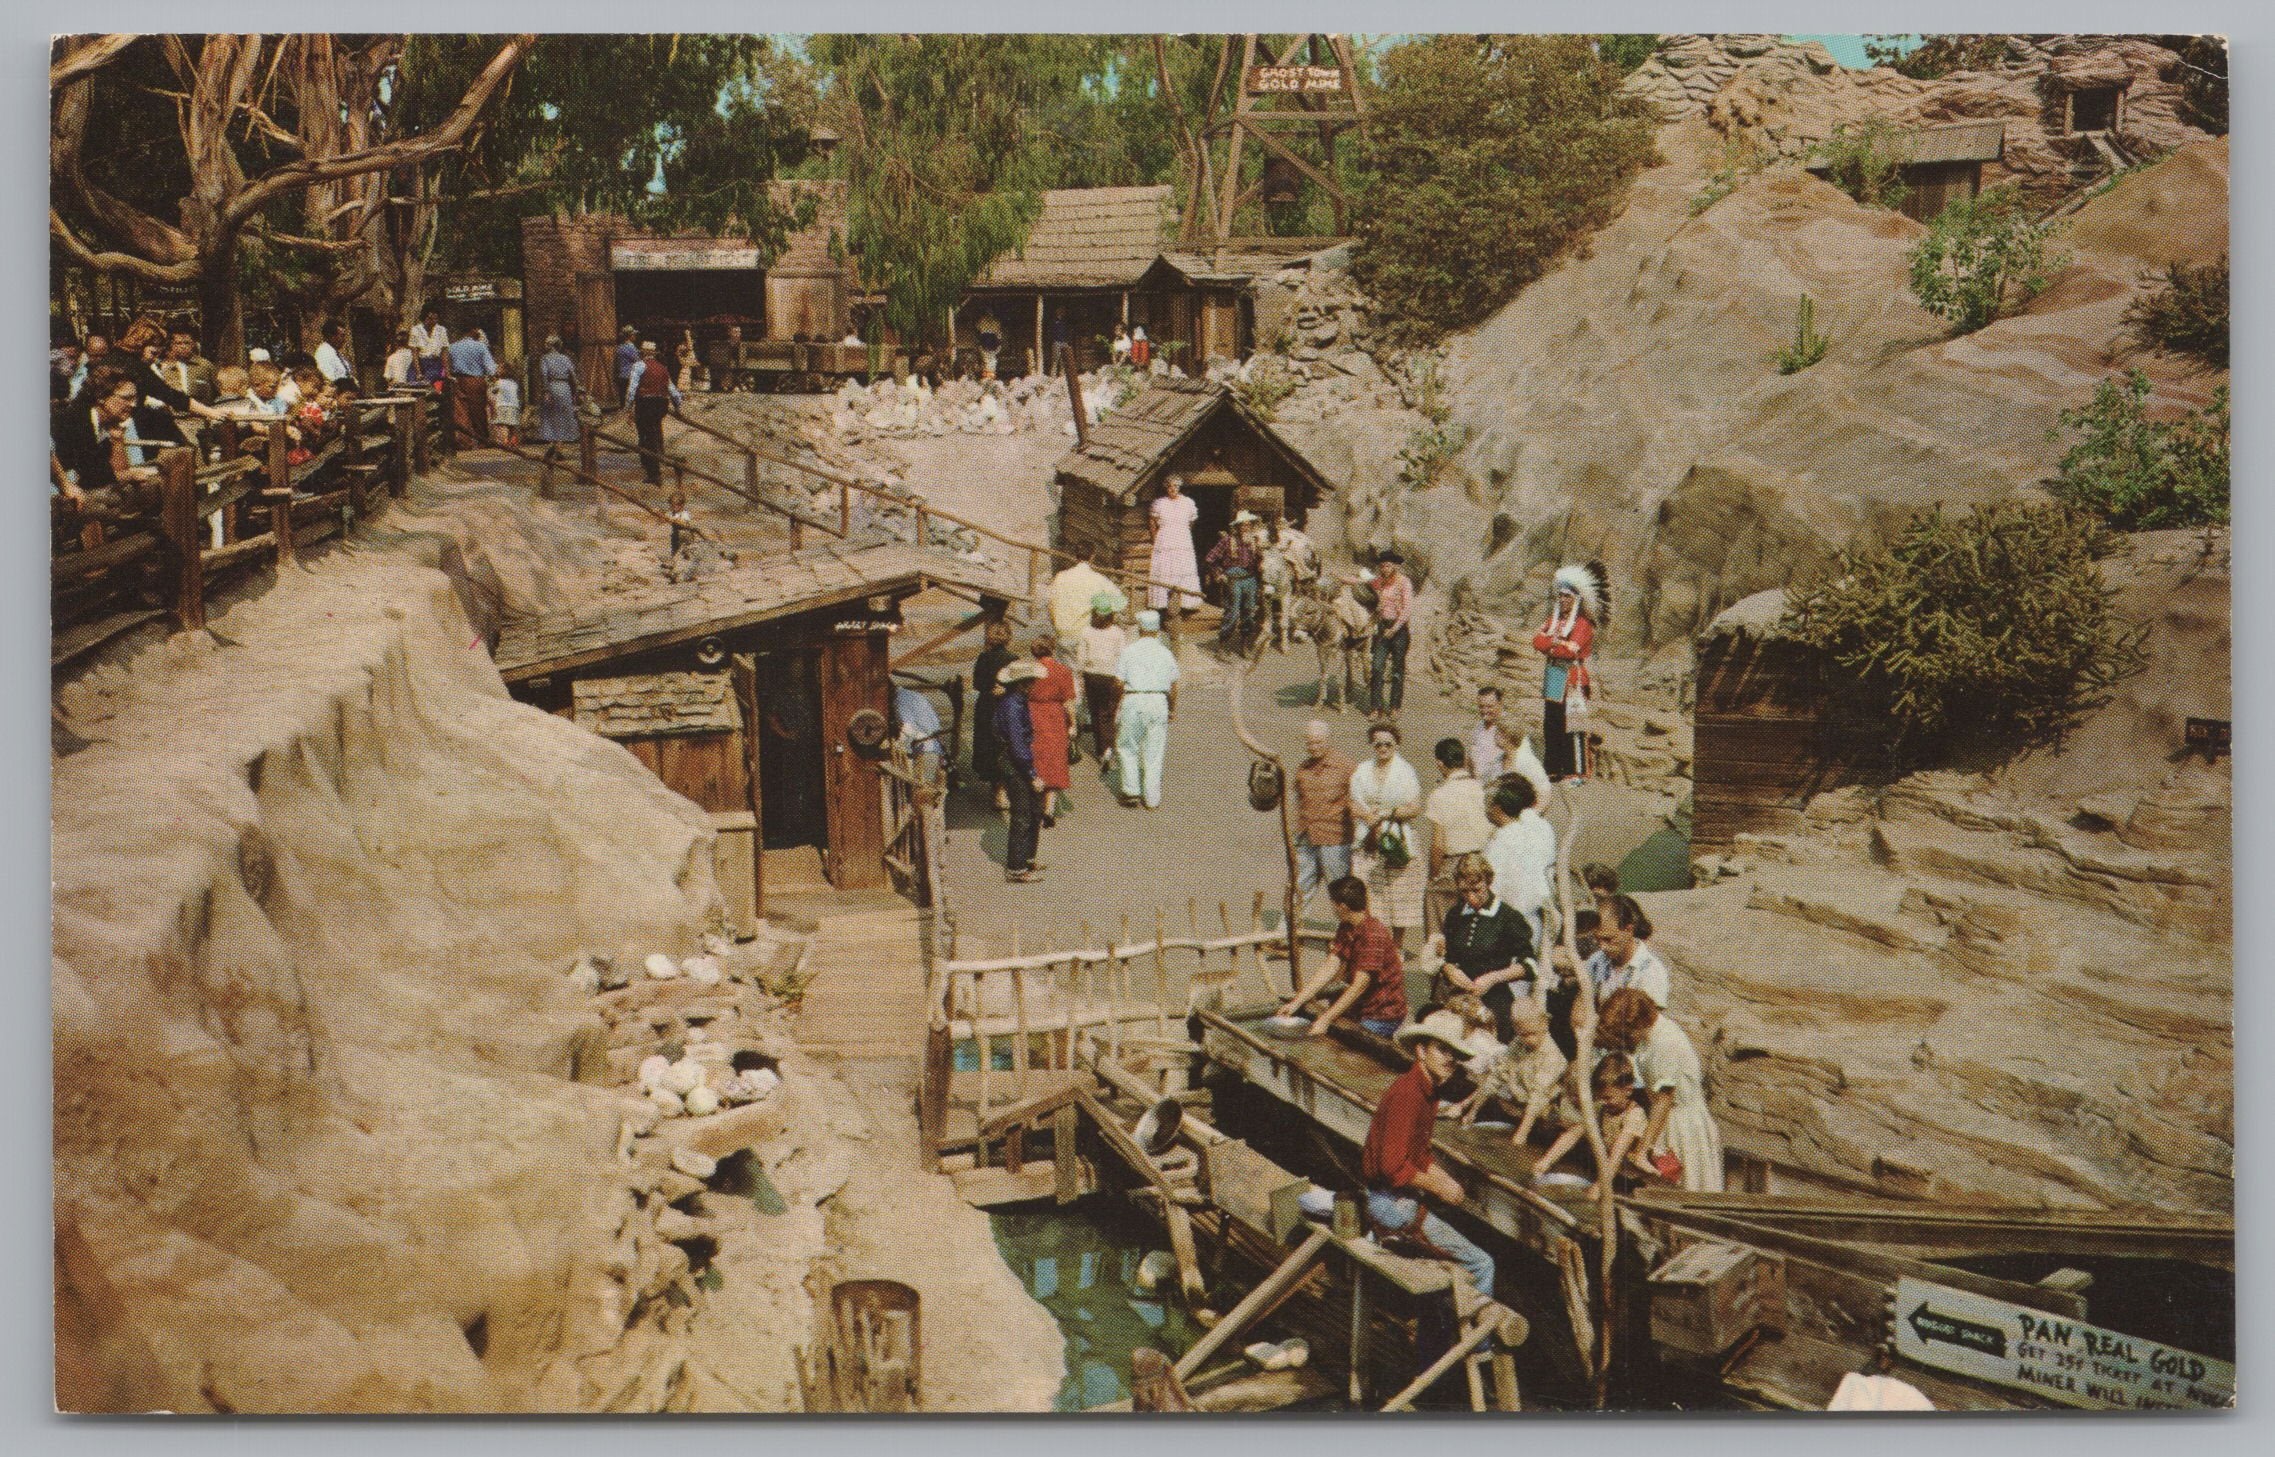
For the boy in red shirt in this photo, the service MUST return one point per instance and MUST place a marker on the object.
(1398, 1163)
(1365, 953)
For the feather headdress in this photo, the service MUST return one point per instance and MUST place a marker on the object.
(1587, 584)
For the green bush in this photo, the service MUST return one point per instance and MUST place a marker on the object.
(2139, 474)
(1488, 157)
(1866, 162)
(1267, 383)
(1428, 451)
(2187, 315)
(1808, 345)
(1969, 636)
(1982, 259)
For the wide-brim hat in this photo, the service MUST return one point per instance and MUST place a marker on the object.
(1149, 621)
(1443, 1027)
(1243, 518)
(1019, 671)
(1105, 602)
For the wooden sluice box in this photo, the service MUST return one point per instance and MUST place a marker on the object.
(1712, 1295)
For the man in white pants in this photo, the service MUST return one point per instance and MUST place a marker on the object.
(1148, 670)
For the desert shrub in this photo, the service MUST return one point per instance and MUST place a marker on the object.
(2187, 314)
(1866, 161)
(1626, 52)
(1808, 345)
(2139, 474)
(2204, 81)
(1982, 259)
(1265, 385)
(1487, 158)
(1971, 635)
(1926, 57)
(1741, 157)
(1428, 451)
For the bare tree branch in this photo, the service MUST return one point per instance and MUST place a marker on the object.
(88, 56)
(182, 272)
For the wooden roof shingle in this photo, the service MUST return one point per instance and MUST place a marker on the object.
(1126, 449)
(663, 614)
(650, 704)
(1086, 237)
(1957, 141)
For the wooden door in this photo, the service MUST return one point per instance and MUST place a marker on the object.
(596, 331)
(742, 673)
(853, 677)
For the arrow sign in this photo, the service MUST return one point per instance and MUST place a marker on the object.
(1930, 1325)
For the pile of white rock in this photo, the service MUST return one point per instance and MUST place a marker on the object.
(703, 1080)
(905, 408)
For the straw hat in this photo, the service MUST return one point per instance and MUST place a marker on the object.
(1019, 670)
(1149, 621)
(1244, 518)
(1443, 1027)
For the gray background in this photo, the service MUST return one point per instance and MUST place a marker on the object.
(25, 1332)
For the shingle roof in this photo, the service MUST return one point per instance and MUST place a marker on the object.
(655, 703)
(667, 613)
(1958, 141)
(1086, 237)
(1126, 448)
(1236, 264)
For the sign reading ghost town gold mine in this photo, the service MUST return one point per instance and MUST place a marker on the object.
(1264, 80)
(2060, 1360)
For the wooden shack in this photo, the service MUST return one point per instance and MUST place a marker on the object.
(1231, 460)
(758, 692)
(1941, 165)
(1071, 280)
(1204, 297)
(1763, 737)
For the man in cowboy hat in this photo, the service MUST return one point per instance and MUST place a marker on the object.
(1015, 749)
(1148, 672)
(1236, 560)
(1398, 1163)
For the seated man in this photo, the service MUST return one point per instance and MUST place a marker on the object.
(1398, 1163)
(1364, 954)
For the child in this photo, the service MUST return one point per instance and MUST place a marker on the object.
(1484, 1049)
(681, 520)
(1625, 1115)
(1529, 1073)
(505, 409)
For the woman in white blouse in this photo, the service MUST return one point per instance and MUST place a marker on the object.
(1386, 799)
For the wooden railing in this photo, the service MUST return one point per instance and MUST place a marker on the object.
(210, 520)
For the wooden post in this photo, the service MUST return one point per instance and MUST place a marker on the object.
(178, 517)
(352, 456)
(981, 1040)
(1042, 365)
(280, 523)
(399, 418)
(932, 1093)
(1074, 391)
(1018, 1022)
(1254, 1302)
(1160, 974)
(1358, 1389)
(1180, 1220)
(422, 445)
(844, 509)
(588, 460)
(750, 474)
(1066, 1157)
(923, 534)
(446, 425)
(280, 446)
(1034, 572)
(1470, 1341)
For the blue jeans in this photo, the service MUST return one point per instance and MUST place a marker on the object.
(1390, 654)
(1317, 865)
(1380, 1027)
(1399, 1211)
(1239, 605)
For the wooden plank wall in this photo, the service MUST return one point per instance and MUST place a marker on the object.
(1761, 743)
(707, 768)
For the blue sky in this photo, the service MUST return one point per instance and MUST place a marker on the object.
(1849, 49)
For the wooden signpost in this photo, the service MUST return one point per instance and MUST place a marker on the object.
(2061, 1360)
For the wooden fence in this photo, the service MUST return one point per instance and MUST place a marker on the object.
(216, 518)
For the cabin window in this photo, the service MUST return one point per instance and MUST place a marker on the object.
(2094, 109)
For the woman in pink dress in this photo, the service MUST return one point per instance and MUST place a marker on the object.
(1047, 701)
(1174, 562)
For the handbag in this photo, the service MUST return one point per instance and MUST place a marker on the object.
(1390, 844)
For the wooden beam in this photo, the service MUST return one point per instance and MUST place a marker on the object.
(180, 520)
(1251, 1305)
(1118, 1139)
(1029, 1110)
(1482, 1331)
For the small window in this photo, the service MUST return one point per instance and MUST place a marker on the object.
(2094, 109)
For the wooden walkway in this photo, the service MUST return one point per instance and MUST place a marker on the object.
(867, 996)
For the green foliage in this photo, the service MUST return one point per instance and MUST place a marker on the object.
(1428, 451)
(1935, 55)
(1866, 162)
(942, 159)
(1626, 52)
(1982, 259)
(1970, 636)
(1266, 384)
(1741, 158)
(2140, 474)
(2187, 315)
(1808, 345)
(2203, 80)
(1489, 157)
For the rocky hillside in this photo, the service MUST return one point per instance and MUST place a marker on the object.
(1627, 406)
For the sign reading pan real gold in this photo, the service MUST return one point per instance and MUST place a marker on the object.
(636, 257)
(2061, 1360)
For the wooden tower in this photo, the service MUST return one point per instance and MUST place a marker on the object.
(1293, 104)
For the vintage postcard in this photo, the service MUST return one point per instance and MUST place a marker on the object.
(1096, 723)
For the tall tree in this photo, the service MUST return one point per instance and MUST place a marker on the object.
(258, 123)
(943, 159)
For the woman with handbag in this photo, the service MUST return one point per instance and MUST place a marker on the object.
(1567, 640)
(1387, 848)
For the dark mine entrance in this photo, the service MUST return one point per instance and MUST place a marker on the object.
(656, 299)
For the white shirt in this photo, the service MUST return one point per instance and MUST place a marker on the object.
(1646, 973)
(329, 363)
(1099, 649)
(1382, 790)
(429, 342)
(1457, 810)
(399, 365)
(1523, 856)
(1485, 756)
